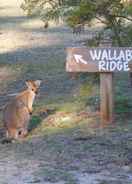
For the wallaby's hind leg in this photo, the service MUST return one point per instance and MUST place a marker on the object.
(11, 136)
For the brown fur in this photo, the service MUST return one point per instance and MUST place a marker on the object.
(77, 29)
(46, 25)
(17, 112)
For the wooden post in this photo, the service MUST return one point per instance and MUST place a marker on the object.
(90, 60)
(106, 95)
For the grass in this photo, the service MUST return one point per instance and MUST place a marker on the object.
(123, 104)
(55, 175)
(35, 121)
(76, 148)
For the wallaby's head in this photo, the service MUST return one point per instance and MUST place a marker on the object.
(33, 85)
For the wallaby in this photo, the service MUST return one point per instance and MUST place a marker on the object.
(46, 25)
(17, 112)
(77, 29)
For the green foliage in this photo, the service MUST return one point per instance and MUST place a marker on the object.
(112, 13)
(35, 121)
(127, 35)
(123, 104)
(93, 102)
(128, 9)
(49, 9)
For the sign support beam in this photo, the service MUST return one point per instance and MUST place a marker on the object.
(106, 96)
(105, 60)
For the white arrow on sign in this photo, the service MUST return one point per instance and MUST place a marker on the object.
(79, 59)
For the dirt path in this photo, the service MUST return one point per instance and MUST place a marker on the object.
(25, 40)
(27, 45)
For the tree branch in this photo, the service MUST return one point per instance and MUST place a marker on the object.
(102, 21)
(124, 17)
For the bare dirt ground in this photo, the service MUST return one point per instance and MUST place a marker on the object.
(64, 148)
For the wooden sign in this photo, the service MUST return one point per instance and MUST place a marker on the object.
(106, 61)
(98, 59)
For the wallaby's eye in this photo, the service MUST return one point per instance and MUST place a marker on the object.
(20, 132)
(32, 89)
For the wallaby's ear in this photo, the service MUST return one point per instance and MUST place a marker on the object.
(28, 82)
(37, 83)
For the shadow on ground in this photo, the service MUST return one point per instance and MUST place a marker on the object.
(36, 120)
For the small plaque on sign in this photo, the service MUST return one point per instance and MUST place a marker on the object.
(113, 59)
